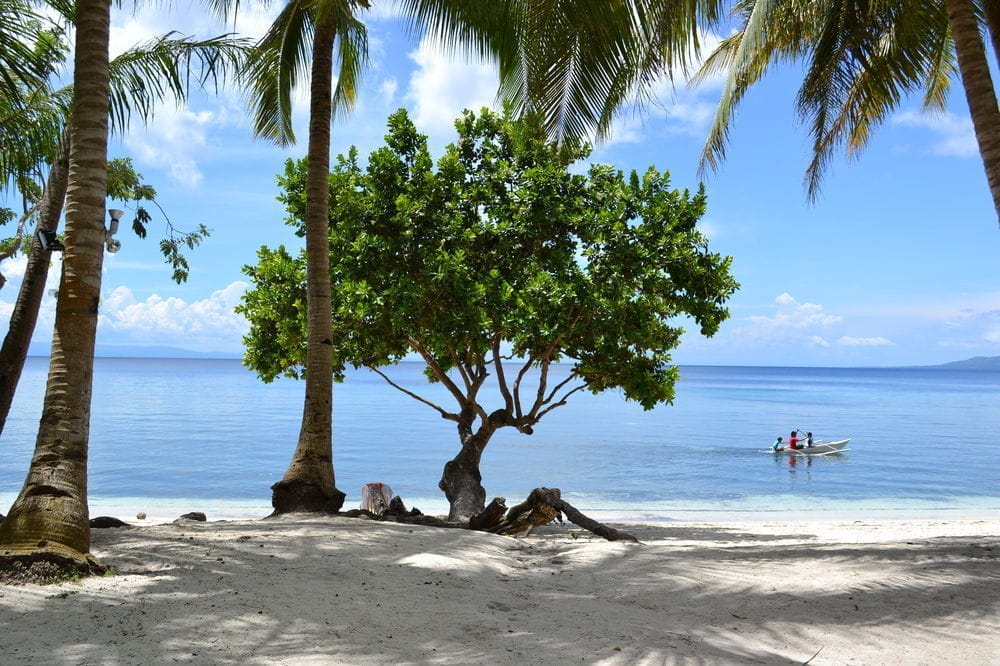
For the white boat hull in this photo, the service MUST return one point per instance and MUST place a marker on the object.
(821, 448)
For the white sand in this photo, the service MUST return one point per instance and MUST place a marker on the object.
(346, 591)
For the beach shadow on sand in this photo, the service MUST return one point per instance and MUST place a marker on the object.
(333, 590)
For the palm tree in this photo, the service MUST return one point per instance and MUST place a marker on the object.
(49, 520)
(139, 78)
(327, 32)
(863, 59)
(573, 61)
(980, 94)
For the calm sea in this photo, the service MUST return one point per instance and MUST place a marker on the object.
(170, 436)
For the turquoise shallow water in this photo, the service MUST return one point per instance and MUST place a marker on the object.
(182, 435)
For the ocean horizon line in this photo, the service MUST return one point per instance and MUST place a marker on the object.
(991, 364)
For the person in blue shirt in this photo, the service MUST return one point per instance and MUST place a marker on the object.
(777, 445)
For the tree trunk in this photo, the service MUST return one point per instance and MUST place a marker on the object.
(461, 480)
(979, 90)
(49, 520)
(309, 483)
(29, 297)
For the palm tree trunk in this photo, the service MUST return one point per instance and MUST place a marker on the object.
(50, 520)
(979, 90)
(29, 297)
(309, 484)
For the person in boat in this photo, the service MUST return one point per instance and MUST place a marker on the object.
(793, 440)
(777, 445)
(809, 440)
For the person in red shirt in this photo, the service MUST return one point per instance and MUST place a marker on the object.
(793, 441)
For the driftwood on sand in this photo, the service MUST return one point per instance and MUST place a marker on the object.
(542, 506)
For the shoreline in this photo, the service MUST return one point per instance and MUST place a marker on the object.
(160, 510)
(334, 590)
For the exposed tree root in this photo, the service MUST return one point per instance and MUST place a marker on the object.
(300, 497)
(542, 506)
(44, 568)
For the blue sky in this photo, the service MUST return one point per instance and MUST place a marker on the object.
(895, 264)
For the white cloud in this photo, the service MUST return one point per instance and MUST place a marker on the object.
(955, 135)
(14, 267)
(796, 316)
(208, 324)
(678, 106)
(387, 91)
(442, 87)
(173, 140)
(973, 328)
(850, 341)
(710, 228)
(791, 330)
(187, 18)
(177, 137)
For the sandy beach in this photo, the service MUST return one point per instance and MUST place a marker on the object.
(325, 590)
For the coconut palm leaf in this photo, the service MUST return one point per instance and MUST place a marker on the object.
(863, 59)
(166, 67)
(575, 61)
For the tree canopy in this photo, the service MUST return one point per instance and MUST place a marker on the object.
(497, 260)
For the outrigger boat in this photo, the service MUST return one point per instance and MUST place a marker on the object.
(819, 448)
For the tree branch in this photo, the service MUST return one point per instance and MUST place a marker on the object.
(517, 386)
(557, 387)
(438, 372)
(501, 377)
(561, 402)
(16, 245)
(480, 379)
(461, 367)
(444, 414)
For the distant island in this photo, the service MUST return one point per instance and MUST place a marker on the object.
(139, 351)
(975, 363)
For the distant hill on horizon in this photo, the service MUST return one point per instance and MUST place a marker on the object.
(975, 363)
(121, 351)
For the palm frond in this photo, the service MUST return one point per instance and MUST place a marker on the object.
(863, 59)
(22, 64)
(770, 32)
(278, 62)
(478, 30)
(885, 53)
(30, 128)
(352, 55)
(576, 62)
(168, 66)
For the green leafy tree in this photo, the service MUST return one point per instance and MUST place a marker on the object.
(863, 60)
(571, 61)
(497, 262)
